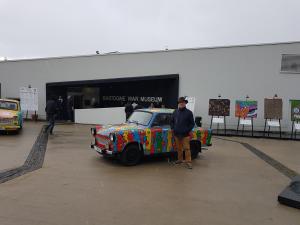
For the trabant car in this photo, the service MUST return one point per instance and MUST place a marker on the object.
(147, 132)
(10, 115)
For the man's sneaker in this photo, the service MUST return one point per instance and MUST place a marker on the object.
(178, 162)
(189, 166)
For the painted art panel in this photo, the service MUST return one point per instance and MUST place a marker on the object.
(273, 108)
(246, 108)
(219, 107)
(295, 110)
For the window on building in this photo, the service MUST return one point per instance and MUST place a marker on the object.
(290, 64)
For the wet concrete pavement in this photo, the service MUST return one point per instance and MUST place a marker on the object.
(228, 185)
(286, 152)
(14, 148)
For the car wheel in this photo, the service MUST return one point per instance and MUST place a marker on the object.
(131, 155)
(195, 149)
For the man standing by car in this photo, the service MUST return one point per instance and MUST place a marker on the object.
(51, 110)
(182, 124)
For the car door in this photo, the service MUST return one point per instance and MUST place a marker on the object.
(162, 138)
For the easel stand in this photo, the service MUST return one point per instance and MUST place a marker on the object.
(245, 122)
(272, 123)
(295, 128)
(218, 120)
(35, 116)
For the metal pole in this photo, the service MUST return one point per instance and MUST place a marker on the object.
(237, 128)
(243, 129)
(218, 127)
(252, 125)
(265, 127)
(280, 128)
(292, 129)
(269, 131)
(225, 124)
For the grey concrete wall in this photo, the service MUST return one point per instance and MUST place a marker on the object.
(234, 72)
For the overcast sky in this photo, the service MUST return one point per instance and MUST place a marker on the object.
(40, 28)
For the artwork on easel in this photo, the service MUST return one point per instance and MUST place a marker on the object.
(218, 110)
(295, 110)
(219, 107)
(273, 113)
(295, 116)
(273, 108)
(245, 111)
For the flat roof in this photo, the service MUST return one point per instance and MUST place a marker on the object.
(153, 51)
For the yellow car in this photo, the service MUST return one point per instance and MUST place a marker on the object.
(10, 115)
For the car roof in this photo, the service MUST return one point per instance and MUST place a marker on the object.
(157, 110)
(9, 100)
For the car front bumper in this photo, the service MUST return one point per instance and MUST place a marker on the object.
(102, 151)
(9, 127)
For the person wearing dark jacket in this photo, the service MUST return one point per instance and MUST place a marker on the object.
(51, 110)
(182, 124)
(70, 108)
(128, 110)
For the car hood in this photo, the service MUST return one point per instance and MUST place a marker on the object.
(105, 130)
(7, 113)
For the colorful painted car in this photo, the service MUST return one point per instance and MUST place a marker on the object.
(147, 132)
(10, 115)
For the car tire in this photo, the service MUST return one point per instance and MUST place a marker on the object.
(131, 155)
(195, 147)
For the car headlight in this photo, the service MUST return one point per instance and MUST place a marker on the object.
(112, 137)
(15, 119)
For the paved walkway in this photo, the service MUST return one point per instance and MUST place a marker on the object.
(228, 185)
(14, 148)
(286, 152)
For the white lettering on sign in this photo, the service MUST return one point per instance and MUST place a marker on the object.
(114, 98)
(132, 99)
(151, 99)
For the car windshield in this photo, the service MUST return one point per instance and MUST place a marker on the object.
(8, 105)
(140, 117)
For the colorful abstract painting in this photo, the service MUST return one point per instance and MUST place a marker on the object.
(273, 108)
(246, 109)
(295, 110)
(219, 107)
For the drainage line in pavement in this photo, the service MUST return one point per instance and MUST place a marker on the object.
(34, 160)
(272, 162)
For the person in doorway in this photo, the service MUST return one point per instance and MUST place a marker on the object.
(51, 111)
(70, 108)
(60, 103)
(134, 105)
(151, 105)
(182, 123)
(128, 110)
